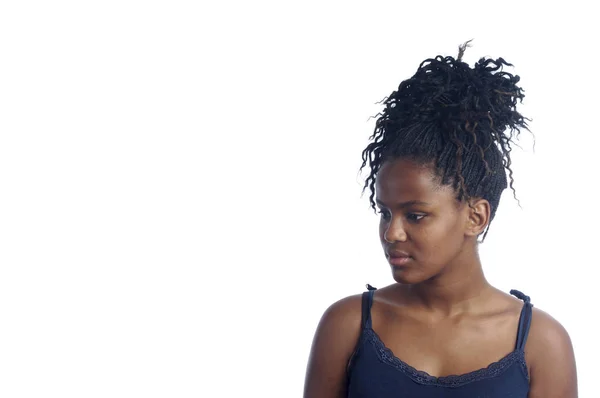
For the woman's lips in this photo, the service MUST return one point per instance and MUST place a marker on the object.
(399, 260)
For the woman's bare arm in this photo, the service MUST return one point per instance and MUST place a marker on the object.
(333, 344)
(553, 370)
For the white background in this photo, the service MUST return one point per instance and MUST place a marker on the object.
(179, 197)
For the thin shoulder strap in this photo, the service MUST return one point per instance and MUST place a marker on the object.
(367, 303)
(524, 319)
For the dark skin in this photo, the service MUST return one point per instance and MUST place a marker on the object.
(455, 321)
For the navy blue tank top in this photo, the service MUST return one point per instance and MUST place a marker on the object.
(375, 372)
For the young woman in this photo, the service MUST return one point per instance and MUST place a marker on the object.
(437, 164)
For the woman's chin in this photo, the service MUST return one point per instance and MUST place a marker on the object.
(407, 276)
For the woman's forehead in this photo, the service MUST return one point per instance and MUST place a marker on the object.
(404, 180)
(405, 174)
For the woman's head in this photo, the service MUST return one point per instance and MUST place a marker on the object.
(421, 217)
(441, 135)
(452, 118)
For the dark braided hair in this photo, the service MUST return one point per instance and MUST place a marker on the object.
(452, 117)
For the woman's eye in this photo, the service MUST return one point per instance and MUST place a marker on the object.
(383, 214)
(411, 217)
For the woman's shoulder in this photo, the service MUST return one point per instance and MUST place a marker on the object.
(333, 344)
(336, 336)
(549, 352)
(547, 335)
(342, 320)
(543, 326)
(346, 311)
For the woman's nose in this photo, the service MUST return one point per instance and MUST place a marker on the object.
(395, 232)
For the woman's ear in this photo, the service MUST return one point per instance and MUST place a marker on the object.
(478, 216)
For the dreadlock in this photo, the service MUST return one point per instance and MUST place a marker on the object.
(452, 117)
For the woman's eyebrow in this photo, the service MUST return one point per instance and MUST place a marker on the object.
(406, 204)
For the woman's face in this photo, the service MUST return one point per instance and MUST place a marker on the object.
(432, 233)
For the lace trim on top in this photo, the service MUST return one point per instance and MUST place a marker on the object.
(387, 356)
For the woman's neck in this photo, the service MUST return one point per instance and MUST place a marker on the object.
(459, 288)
